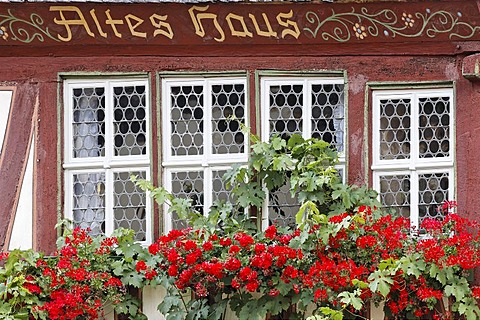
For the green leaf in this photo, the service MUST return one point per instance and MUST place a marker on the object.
(294, 141)
(380, 283)
(218, 309)
(360, 284)
(333, 314)
(283, 162)
(412, 264)
(278, 143)
(459, 289)
(5, 307)
(306, 209)
(284, 288)
(275, 305)
(169, 303)
(132, 278)
(462, 308)
(176, 315)
(252, 310)
(351, 298)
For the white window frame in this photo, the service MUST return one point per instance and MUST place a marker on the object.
(307, 82)
(108, 164)
(413, 166)
(207, 162)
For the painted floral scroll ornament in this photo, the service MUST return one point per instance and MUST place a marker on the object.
(23, 30)
(359, 31)
(342, 26)
(4, 33)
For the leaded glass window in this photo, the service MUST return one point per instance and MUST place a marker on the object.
(106, 141)
(413, 157)
(311, 107)
(202, 136)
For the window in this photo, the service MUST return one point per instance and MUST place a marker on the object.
(413, 156)
(312, 107)
(202, 138)
(106, 141)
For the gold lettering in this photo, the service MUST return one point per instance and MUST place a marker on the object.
(287, 23)
(244, 32)
(99, 28)
(159, 22)
(73, 22)
(269, 32)
(197, 21)
(129, 18)
(113, 23)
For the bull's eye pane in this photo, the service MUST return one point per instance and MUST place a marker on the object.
(186, 119)
(434, 127)
(328, 114)
(129, 207)
(395, 129)
(395, 193)
(88, 122)
(89, 202)
(228, 110)
(432, 193)
(129, 121)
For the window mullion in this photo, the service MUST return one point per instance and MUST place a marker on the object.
(207, 123)
(109, 201)
(68, 122)
(207, 190)
(207, 146)
(265, 110)
(414, 199)
(109, 113)
(69, 194)
(167, 217)
(414, 129)
(307, 109)
(451, 185)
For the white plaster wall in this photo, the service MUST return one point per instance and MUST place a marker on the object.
(151, 299)
(5, 103)
(22, 232)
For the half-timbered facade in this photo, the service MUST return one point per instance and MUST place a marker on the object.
(92, 92)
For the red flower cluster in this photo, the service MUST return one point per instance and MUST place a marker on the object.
(274, 263)
(77, 281)
(448, 243)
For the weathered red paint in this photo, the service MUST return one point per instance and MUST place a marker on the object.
(414, 27)
(40, 75)
(33, 69)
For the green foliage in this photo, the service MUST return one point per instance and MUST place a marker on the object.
(15, 299)
(307, 166)
(338, 233)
